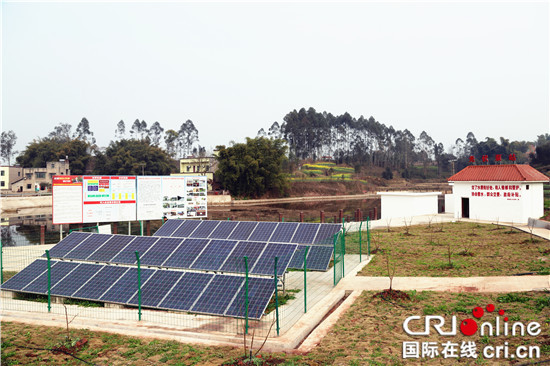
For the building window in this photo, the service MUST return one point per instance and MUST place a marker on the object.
(40, 175)
(2, 184)
(527, 187)
(28, 175)
(29, 186)
(18, 174)
(2, 173)
(53, 165)
(51, 175)
(188, 168)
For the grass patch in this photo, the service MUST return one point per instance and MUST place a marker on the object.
(282, 299)
(370, 332)
(474, 250)
(8, 274)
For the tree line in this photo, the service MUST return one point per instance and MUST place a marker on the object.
(366, 142)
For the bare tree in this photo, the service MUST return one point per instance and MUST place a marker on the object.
(7, 143)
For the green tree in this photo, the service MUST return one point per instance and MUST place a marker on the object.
(253, 168)
(40, 151)
(133, 157)
(7, 143)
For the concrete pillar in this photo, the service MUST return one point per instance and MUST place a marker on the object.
(322, 217)
(257, 217)
(148, 227)
(301, 216)
(115, 227)
(340, 215)
(280, 217)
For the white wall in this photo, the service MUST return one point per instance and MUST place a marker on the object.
(529, 203)
(449, 203)
(408, 204)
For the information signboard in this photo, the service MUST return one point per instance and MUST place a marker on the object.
(109, 198)
(66, 199)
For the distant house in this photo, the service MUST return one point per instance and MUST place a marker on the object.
(199, 165)
(33, 179)
(9, 175)
(506, 193)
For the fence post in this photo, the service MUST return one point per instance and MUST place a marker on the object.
(129, 227)
(276, 296)
(343, 254)
(148, 228)
(246, 293)
(344, 234)
(334, 251)
(141, 227)
(1, 263)
(42, 234)
(301, 216)
(305, 279)
(139, 284)
(360, 237)
(322, 218)
(49, 281)
(368, 236)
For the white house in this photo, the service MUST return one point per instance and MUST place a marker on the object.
(505, 193)
(408, 204)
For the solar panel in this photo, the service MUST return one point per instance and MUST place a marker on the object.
(127, 285)
(284, 232)
(140, 244)
(184, 294)
(205, 229)
(27, 275)
(160, 251)
(168, 228)
(156, 288)
(111, 248)
(186, 253)
(265, 264)
(235, 261)
(318, 258)
(218, 295)
(260, 291)
(101, 282)
(305, 234)
(326, 232)
(223, 230)
(67, 244)
(263, 231)
(243, 230)
(297, 261)
(79, 276)
(58, 272)
(214, 255)
(94, 242)
(186, 229)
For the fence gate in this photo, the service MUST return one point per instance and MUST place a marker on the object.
(338, 257)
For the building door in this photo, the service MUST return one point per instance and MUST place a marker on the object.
(465, 207)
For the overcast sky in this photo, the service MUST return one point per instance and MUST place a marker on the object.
(233, 68)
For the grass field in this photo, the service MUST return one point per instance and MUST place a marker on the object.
(457, 249)
(369, 333)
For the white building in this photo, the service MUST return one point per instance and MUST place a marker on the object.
(408, 204)
(504, 193)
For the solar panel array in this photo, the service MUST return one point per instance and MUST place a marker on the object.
(317, 237)
(206, 293)
(191, 253)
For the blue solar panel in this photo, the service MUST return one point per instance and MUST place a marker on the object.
(326, 232)
(218, 295)
(27, 275)
(68, 243)
(156, 288)
(93, 243)
(101, 282)
(263, 231)
(223, 230)
(186, 291)
(297, 261)
(126, 286)
(78, 277)
(250, 249)
(140, 244)
(319, 257)
(260, 291)
(160, 251)
(284, 232)
(205, 229)
(168, 228)
(305, 234)
(243, 230)
(265, 265)
(186, 253)
(58, 272)
(214, 255)
(186, 229)
(111, 248)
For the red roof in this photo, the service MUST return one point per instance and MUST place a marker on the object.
(499, 173)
